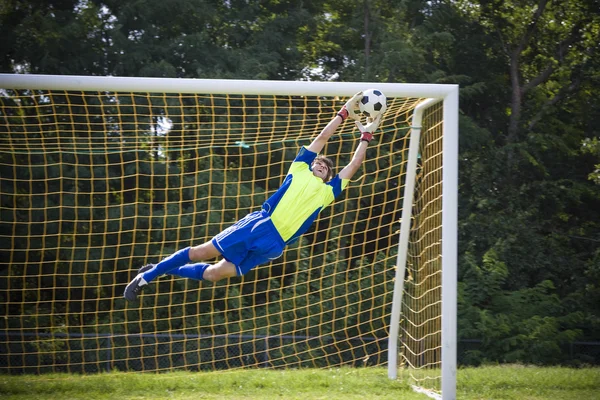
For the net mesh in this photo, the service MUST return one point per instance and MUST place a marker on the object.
(421, 328)
(95, 184)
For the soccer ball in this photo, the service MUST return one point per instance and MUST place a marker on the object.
(373, 103)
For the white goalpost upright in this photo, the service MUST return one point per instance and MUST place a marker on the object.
(449, 240)
(450, 247)
(429, 95)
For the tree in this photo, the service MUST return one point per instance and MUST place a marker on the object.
(550, 48)
(525, 197)
(52, 37)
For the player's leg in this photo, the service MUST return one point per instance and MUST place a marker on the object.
(206, 272)
(226, 269)
(203, 271)
(232, 244)
(205, 251)
(176, 260)
(215, 272)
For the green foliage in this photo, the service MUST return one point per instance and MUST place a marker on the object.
(529, 325)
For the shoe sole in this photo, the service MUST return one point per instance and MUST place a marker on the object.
(130, 295)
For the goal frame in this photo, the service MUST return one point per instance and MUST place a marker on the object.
(433, 93)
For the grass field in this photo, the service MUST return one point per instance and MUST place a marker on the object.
(497, 382)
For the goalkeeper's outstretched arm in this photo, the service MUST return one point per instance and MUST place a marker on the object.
(348, 110)
(366, 135)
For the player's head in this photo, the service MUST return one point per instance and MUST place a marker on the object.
(322, 167)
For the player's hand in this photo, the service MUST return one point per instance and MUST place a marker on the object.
(349, 109)
(366, 131)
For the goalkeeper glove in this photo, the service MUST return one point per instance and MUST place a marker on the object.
(349, 109)
(366, 131)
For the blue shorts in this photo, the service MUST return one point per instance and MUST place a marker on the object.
(251, 241)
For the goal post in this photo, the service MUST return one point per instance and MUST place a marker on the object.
(99, 175)
(448, 333)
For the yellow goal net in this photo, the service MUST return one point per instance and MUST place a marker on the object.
(99, 176)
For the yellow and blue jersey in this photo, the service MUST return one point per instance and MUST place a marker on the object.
(301, 197)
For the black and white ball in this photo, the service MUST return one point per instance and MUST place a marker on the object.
(373, 103)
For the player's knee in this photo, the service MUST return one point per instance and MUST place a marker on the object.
(209, 276)
(220, 271)
(212, 274)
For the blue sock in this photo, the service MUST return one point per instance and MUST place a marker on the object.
(191, 271)
(175, 260)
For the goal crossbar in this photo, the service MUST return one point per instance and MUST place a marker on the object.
(226, 86)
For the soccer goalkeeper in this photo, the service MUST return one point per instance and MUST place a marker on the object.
(261, 236)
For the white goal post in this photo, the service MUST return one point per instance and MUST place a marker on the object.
(430, 94)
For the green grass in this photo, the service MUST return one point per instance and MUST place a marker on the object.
(498, 382)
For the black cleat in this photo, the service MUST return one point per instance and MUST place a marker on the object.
(134, 288)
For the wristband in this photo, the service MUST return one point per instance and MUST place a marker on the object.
(366, 136)
(343, 113)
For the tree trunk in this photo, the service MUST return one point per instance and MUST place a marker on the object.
(515, 104)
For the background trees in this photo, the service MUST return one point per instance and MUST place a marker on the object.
(529, 72)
